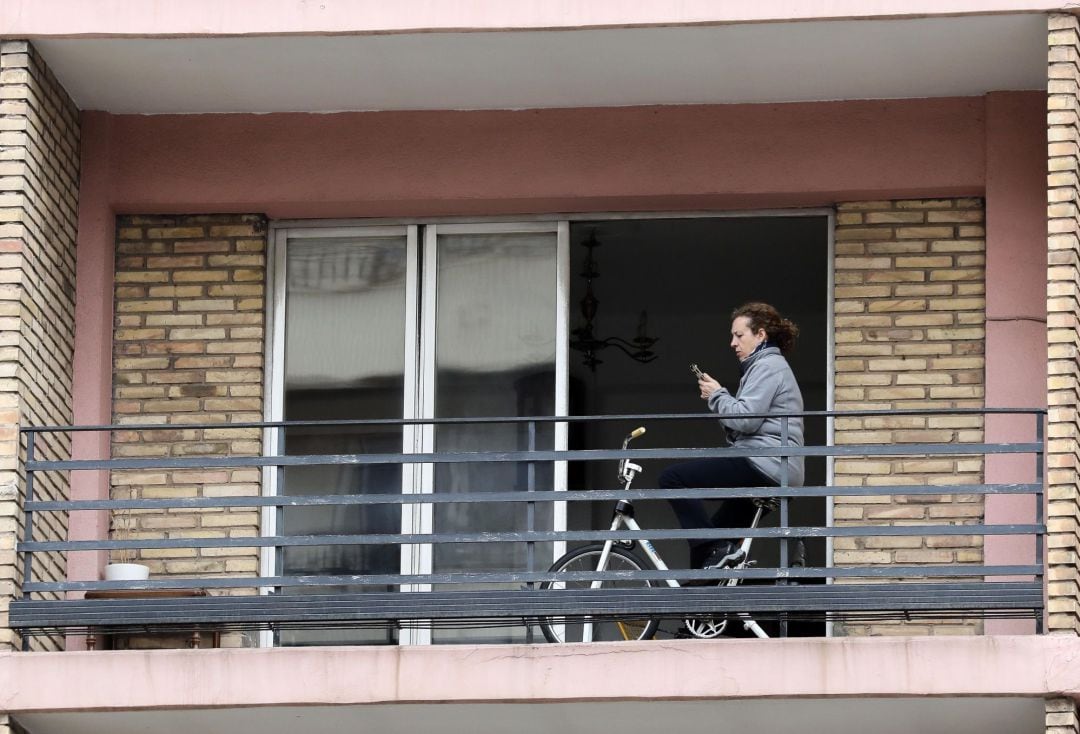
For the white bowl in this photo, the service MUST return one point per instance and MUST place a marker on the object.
(126, 572)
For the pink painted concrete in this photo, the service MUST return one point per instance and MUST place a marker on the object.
(672, 670)
(43, 18)
(1016, 192)
(1015, 308)
(92, 378)
(497, 162)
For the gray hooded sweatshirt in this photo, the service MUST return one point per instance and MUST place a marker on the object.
(767, 386)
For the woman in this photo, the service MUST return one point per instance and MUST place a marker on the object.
(760, 338)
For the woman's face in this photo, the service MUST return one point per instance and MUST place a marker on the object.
(743, 340)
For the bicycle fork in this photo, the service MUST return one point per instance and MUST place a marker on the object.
(624, 517)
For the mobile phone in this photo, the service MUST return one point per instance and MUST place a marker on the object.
(696, 370)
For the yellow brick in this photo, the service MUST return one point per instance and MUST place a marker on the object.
(203, 246)
(896, 217)
(909, 304)
(175, 261)
(168, 492)
(200, 276)
(906, 247)
(141, 277)
(953, 335)
(895, 276)
(964, 245)
(927, 261)
(896, 365)
(927, 233)
(863, 263)
(897, 393)
(958, 304)
(886, 542)
(125, 478)
(916, 556)
(175, 291)
(168, 552)
(235, 230)
(847, 234)
(167, 521)
(896, 513)
(956, 274)
(861, 557)
(193, 568)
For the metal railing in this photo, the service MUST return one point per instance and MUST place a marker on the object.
(515, 594)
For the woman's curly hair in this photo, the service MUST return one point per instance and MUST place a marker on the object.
(778, 330)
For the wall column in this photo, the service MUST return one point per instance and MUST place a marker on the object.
(1061, 716)
(1063, 320)
(39, 182)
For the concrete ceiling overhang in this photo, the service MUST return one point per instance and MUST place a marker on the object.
(979, 715)
(715, 64)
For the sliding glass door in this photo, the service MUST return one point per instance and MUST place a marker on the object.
(491, 329)
(346, 338)
(359, 333)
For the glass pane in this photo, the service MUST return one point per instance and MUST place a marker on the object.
(344, 359)
(495, 356)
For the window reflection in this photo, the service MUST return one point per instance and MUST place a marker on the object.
(344, 359)
(495, 356)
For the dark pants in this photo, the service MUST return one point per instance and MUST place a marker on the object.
(736, 512)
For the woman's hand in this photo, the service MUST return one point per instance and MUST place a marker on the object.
(707, 386)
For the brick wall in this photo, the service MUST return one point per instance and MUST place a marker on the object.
(188, 349)
(1063, 326)
(1062, 716)
(39, 181)
(909, 316)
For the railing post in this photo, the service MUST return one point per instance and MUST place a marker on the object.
(1040, 518)
(530, 521)
(784, 517)
(28, 526)
(530, 507)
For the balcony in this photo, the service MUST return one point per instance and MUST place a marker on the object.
(511, 587)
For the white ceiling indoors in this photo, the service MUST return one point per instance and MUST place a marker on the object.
(769, 62)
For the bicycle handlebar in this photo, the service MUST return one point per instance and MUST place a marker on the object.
(636, 433)
(639, 431)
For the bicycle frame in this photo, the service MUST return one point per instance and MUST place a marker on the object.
(624, 517)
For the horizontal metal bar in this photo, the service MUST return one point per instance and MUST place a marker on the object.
(861, 450)
(628, 417)
(591, 495)
(106, 610)
(525, 577)
(386, 626)
(526, 604)
(535, 536)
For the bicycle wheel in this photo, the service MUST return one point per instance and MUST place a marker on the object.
(601, 629)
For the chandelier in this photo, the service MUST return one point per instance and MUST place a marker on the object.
(584, 339)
